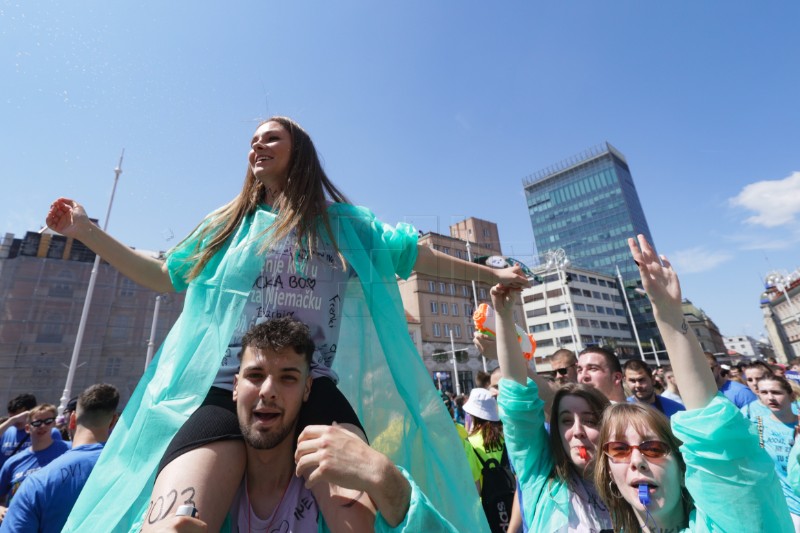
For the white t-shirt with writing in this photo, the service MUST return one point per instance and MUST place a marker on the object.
(292, 284)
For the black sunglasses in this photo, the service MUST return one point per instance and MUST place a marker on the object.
(563, 371)
(46, 422)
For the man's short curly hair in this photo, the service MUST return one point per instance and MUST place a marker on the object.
(279, 333)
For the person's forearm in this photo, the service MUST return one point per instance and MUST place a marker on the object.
(437, 264)
(509, 352)
(146, 271)
(692, 374)
(391, 492)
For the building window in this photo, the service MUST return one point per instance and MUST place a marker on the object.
(444, 308)
(432, 286)
(538, 328)
(452, 289)
(447, 330)
(532, 297)
(113, 365)
(467, 310)
(455, 309)
(536, 312)
(560, 308)
(442, 287)
(560, 324)
(482, 293)
(437, 329)
(544, 343)
(579, 307)
(606, 297)
(593, 281)
(457, 331)
(434, 308)
(464, 290)
(583, 322)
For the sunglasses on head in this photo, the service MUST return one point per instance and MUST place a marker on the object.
(46, 422)
(620, 452)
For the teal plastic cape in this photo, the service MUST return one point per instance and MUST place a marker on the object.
(380, 371)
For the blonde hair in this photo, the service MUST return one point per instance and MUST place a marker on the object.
(41, 408)
(646, 420)
(301, 205)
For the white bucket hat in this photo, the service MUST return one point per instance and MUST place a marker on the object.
(482, 404)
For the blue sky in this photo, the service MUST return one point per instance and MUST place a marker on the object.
(426, 112)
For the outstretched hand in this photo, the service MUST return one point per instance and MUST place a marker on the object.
(513, 277)
(660, 282)
(331, 454)
(65, 215)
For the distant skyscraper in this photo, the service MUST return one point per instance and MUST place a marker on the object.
(588, 205)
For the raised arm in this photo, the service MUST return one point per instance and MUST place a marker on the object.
(509, 352)
(694, 377)
(437, 264)
(68, 218)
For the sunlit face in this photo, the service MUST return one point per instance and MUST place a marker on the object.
(641, 385)
(774, 396)
(578, 427)
(593, 371)
(269, 391)
(752, 375)
(662, 475)
(41, 436)
(270, 155)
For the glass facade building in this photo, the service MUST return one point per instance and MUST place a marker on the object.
(588, 205)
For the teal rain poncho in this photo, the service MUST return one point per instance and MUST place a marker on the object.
(380, 370)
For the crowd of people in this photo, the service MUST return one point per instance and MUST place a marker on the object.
(243, 422)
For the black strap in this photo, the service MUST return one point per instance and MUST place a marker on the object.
(20, 443)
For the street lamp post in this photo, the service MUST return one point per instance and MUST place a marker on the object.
(630, 314)
(474, 296)
(87, 303)
(558, 259)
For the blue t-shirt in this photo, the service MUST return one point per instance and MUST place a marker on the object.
(665, 405)
(22, 465)
(13, 436)
(739, 394)
(45, 500)
(777, 438)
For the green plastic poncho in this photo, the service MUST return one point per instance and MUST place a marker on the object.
(380, 371)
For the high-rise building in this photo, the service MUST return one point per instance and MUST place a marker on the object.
(573, 309)
(588, 206)
(43, 282)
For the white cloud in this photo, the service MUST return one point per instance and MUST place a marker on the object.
(697, 259)
(775, 202)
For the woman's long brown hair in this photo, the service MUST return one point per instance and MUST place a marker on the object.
(301, 205)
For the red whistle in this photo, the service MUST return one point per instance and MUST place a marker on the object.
(582, 452)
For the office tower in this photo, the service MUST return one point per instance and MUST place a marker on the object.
(588, 206)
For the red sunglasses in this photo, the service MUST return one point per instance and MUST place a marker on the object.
(620, 452)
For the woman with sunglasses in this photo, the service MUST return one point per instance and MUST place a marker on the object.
(554, 470)
(707, 472)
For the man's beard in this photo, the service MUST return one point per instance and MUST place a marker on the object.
(265, 440)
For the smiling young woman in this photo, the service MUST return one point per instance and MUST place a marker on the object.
(289, 243)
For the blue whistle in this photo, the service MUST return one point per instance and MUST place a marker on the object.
(644, 494)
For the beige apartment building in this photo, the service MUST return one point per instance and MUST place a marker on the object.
(439, 308)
